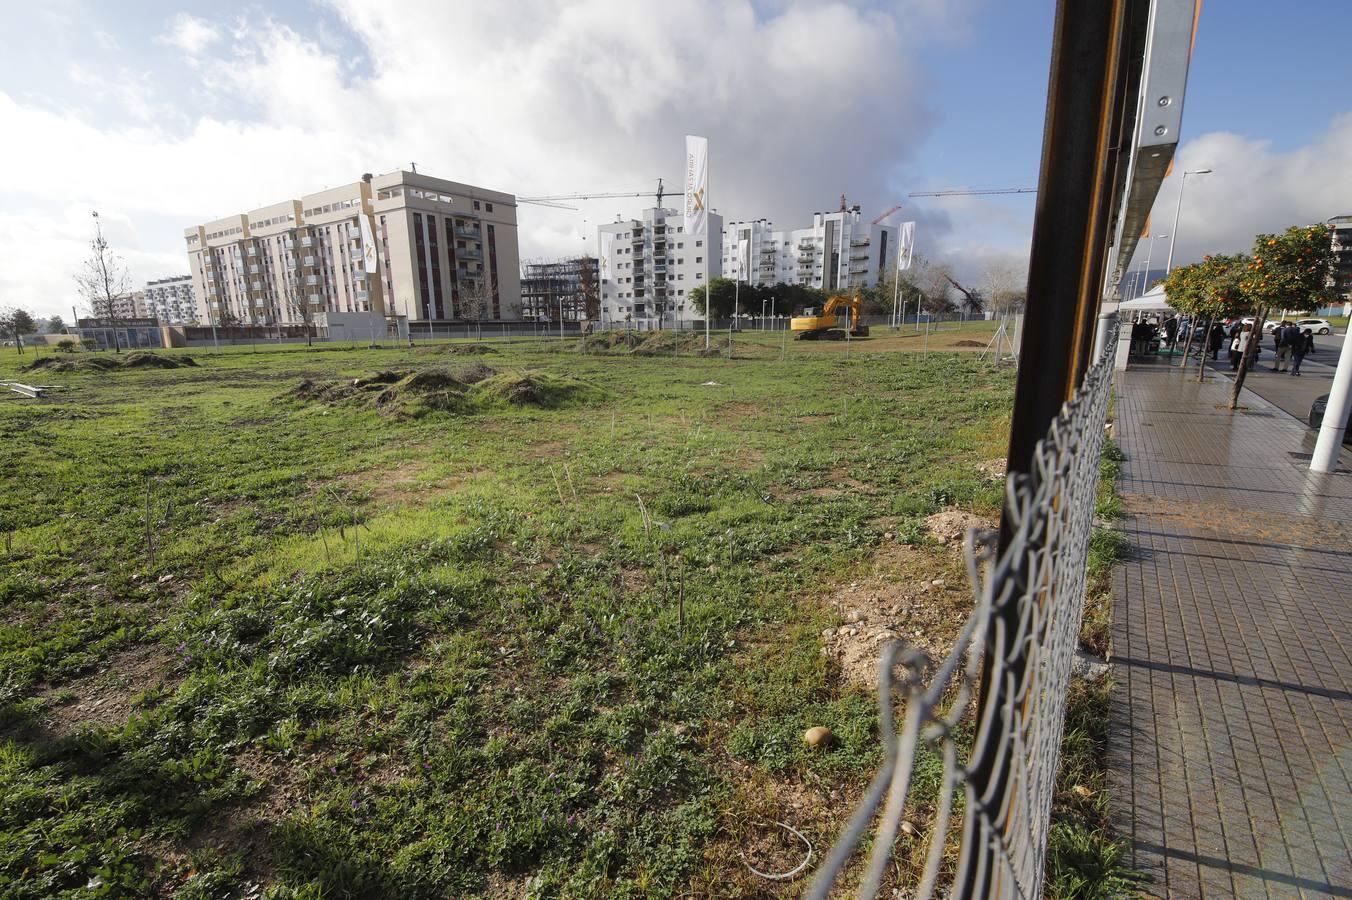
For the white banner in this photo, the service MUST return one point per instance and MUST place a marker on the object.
(905, 245)
(744, 260)
(696, 185)
(368, 244)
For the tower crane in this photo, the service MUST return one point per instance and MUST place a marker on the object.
(879, 220)
(973, 193)
(553, 199)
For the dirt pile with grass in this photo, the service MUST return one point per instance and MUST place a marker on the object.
(475, 387)
(653, 343)
(469, 350)
(139, 359)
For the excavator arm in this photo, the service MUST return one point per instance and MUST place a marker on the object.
(824, 325)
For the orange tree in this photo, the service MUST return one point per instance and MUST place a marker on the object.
(1206, 291)
(1291, 270)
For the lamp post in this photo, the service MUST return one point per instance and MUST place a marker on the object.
(1169, 266)
(1150, 252)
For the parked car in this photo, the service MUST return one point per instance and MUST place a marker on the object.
(1316, 419)
(1318, 326)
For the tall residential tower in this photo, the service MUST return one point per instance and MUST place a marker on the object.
(650, 265)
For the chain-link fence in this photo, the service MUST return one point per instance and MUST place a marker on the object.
(1015, 652)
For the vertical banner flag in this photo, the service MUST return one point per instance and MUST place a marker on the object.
(905, 245)
(696, 185)
(368, 244)
(606, 241)
(743, 259)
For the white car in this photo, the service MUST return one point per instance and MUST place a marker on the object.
(1318, 326)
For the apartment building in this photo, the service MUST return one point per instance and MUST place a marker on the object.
(1341, 236)
(649, 266)
(130, 305)
(559, 288)
(840, 251)
(170, 300)
(398, 244)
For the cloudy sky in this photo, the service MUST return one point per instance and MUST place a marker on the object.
(163, 115)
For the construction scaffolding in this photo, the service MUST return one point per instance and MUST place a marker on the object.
(565, 288)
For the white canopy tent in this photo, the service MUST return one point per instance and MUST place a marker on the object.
(1152, 300)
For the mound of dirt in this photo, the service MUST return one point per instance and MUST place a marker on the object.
(139, 359)
(468, 350)
(950, 526)
(968, 344)
(142, 359)
(541, 389)
(424, 390)
(653, 343)
(475, 374)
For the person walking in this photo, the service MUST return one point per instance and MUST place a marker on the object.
(1171, 331)
(1217, 338)
(1302, 348)
(1238, 344)
(1284, 338)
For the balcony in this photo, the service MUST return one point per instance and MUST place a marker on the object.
(474, 234)
(864, 242)
(308, 262)
(362, 295)
(312, 280)
(468, 253)
(467, 275)
(359, 273)
(307, 242)
(854, 256)
(255, 285)
(255, 270)
(251, 250)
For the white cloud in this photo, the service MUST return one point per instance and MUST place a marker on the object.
(190, 34)
(1253, 189)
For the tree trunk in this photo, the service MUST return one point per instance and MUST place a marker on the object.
(1192, 328)
(1250, 352)
(1205, 347)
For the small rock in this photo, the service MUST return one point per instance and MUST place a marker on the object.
(165, 579)
(907, 828)
(817, 736)
(938, 582)
(1082, 791)
(854, 616)
(887, 535)
(827, 632)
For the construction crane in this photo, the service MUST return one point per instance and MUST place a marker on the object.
(973, 193)
(879, 220)
(553, 199)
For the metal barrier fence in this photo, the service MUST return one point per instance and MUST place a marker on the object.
(1037, 583)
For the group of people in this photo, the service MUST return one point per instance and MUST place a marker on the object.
(1290, 345)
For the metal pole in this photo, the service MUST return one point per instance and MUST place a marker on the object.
(1334, 426)
(1085, 89)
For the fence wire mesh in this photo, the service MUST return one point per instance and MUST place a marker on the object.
(1019, 642)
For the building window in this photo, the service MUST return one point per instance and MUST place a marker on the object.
(488, 207)
(476, 204)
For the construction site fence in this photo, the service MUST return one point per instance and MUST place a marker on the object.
(990, 714)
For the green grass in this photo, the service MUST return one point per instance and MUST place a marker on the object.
(438, 649)
(1084, 857)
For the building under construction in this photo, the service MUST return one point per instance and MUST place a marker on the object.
(567, 288)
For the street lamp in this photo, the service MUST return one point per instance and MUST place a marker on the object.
(1150, 251)
(1169, 266)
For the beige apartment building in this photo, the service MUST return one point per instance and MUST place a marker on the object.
(444, 252)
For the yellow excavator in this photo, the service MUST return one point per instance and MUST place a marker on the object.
(823, 327)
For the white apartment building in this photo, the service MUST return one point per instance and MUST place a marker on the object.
(650, 265)
(839, 251)
(445, 252)
(170, 300)
(130, 305)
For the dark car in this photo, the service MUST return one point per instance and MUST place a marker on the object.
(1317, 416)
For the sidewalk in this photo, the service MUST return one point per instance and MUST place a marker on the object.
(1230, 750)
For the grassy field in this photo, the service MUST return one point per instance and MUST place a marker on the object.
(531, 621)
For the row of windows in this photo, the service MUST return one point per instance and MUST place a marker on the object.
(275, 220)
(428, 195)
(331, 207)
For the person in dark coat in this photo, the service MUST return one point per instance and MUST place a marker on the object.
(1217, 339)
(1303, 347)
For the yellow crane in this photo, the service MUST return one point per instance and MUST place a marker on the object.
(823, 327)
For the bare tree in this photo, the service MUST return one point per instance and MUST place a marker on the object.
(935, 281)
(103, 280)
(301, 308)
(476, 300)
(1006, 286)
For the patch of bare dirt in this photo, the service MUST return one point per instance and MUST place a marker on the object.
(951, 525)
(547, 449)
(105, 698)
(403, 482)
(634, 581)
(993, 469)
(907, 594)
